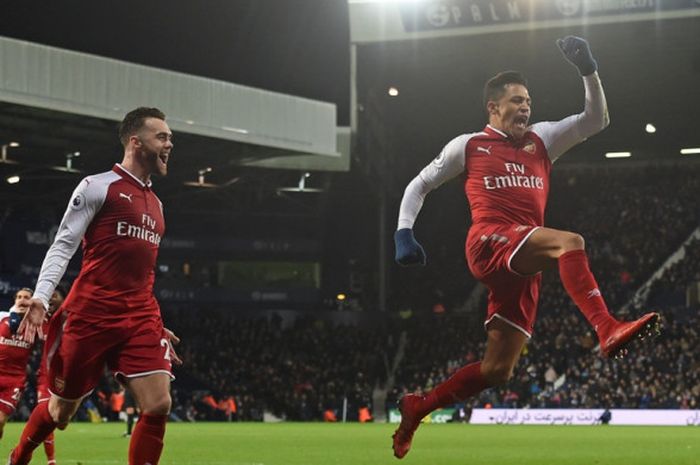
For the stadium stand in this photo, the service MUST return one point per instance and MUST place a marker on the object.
(298, 365)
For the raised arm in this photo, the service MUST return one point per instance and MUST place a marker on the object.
(560, 136)
(447, 165)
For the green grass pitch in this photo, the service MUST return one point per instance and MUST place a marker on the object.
(370, 444)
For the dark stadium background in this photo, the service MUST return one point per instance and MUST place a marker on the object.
(650, 70)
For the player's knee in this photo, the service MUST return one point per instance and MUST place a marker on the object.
(61, 412)
(62, 416)
(160, 406)
(497, 374)
(573, 241)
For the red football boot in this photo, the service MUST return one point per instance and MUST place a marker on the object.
(410, 420)
(614, 342)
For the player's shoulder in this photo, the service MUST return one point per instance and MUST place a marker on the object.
(98, 182)
(4, 315)
(464, 138)
(92, 189)
(459, 143)
(101, 179)
(472, 140)
(537, 133)
(540, 128)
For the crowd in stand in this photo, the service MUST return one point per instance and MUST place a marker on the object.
(631, 220)
(681, 282)
(245, 367)
(302, 371)
(561, 367)
(295, 371)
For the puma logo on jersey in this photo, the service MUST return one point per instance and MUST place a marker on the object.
(124, 196)
(487, 150)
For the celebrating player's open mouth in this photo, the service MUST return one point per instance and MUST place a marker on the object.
(163, 157)
(520, 125)
(162, 163)
(521, 121)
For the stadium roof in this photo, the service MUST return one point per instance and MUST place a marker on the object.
(650, 70)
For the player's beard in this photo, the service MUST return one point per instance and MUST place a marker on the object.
(517, 133)
(154, 163)
(517, 128)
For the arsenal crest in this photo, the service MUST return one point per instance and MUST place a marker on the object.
(60, 383)
(530, 147)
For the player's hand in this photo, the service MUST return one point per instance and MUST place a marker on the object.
(173, 340)
(33, 321)
(578, 53)
(408, 250)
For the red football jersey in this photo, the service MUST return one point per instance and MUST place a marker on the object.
(121, 223)
(14, 354)
(507, 181)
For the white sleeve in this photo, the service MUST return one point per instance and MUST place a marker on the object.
(447, 165)
(86, 201)
(560, 136)
(4, 314)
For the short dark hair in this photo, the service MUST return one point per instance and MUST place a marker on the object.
(27, 289)
(496, 86)
(134, 120)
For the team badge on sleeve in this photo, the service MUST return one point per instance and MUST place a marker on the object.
(78, 201)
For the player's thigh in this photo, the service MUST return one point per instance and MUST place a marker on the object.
(542, 249)
(10, 394)
(513, 299)
(76, 355)
(146, 351)
(151, 392)
(3, 418)
(143, 363)
(503, 348)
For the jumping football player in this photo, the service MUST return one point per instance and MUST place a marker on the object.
(507, 167)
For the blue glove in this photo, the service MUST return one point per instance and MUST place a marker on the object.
(15, 320)
(578, 53)
(408, 250)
